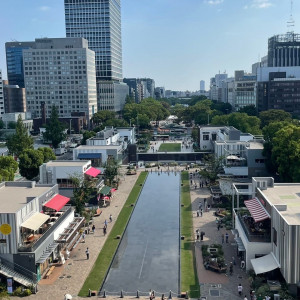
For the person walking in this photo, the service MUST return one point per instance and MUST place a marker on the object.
(110, 218)
(218, 226)
(198, 212)
(105, 223)
(87, 252)
(231, 269)
(245, 298)
(104, 230)
(226, 237)
(93, 228)
(240, 289)
(201, 212)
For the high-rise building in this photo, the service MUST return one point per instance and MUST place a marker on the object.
(14, 98)
(284, 50)
(14, 62)
(202, 85)
(1, 95)
(60, 72)
(218, 87)
(140, 88)
(99, 21)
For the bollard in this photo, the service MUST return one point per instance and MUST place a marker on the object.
(137, 294)
(90, 293)
(186, 295)
(104, 294)
(122, 296)
(170, 295)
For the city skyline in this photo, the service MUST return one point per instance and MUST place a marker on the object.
(211, 37)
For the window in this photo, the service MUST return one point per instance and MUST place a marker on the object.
(274, 236)
(205, 137)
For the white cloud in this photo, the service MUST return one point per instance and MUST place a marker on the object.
(44, 8)
(214, 2)
(260, 4)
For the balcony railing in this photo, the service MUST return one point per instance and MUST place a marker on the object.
(255, 236)
(35, 244)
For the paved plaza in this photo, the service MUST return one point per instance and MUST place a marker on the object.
(68, 279)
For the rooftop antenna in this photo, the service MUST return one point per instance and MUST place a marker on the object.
(291, 21)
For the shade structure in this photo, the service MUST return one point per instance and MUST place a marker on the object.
(105, 190)
(265, 264)
(47, 253)
(57, 202)
(35, 221)
(256, 209)
(93, 172)
(233, 157)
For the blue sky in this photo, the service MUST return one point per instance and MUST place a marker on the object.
(175, 42)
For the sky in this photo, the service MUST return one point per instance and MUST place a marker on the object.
(175, 42)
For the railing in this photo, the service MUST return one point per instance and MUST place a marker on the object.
(32, 247)
(252, 237)
(13, 267)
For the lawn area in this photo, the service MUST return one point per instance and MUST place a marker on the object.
(189, 278)
(105, 257)
(170, 147)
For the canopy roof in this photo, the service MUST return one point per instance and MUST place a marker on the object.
(35, 221)
(93, 172)
(256, 209)
(57, 202)
(105, 190)
(264, 264)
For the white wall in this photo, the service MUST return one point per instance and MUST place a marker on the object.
(63, 225)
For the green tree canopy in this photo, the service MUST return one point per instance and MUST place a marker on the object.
(116, 123)
(273, 115)
(30, 161)
(213, 167)
(111, 170)
(8, 168)
(286, 153)
(19, 141)
(241, 121)
(48, 154)
(54, 129)
(250, 110)
(87, 135)
(102, 116)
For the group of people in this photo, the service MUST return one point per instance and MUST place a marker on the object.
(252, 294)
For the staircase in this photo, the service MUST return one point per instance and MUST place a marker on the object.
(8, 270)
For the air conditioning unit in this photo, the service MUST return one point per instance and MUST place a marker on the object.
(276, 297)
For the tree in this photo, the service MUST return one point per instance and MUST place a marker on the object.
(30, 161)
(82, 192)
(19, 141)
(87, 135)
(286, 153)
(48, 154)
(116, 123)
(54, 129)
(8, 168)
(1, 124)
(102, 116)
(111, 170)
(250, 110)
(213, 167)
(273, 115)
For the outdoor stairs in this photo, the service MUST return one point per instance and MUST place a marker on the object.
(20, 278)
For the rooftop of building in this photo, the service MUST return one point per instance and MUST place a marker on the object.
(255, 145)
(287, 196)
(67, 163)
(14, 195)
(100, 147)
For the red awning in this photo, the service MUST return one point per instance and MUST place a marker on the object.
(257, 211)
(93, 172)
(57, 202)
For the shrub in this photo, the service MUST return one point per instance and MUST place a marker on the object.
(263, 290)
(257, 282)
(26, 292)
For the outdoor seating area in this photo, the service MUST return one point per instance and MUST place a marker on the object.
(213, 258)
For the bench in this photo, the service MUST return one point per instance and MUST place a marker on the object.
(98, 212)
(217, 269)
(50, 271)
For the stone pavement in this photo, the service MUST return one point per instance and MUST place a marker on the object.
(215, 285)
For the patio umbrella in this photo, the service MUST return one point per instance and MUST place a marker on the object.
(113, 190)
(105, 198)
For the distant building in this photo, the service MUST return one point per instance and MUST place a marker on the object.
(284, 50)
(279, 88)
(160, 92)
(2, 110)
(14, 98)
(202, 85)
(69, 81)
(218, 87)
(14, 62)
(140, 88)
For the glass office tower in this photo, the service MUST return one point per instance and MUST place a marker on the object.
(14, 62)
(98, 21)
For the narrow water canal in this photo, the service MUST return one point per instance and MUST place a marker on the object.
(148, 256)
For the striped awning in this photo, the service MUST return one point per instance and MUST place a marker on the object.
(256, 209)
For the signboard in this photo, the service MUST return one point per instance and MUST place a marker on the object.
(10, 285)
(5, 229)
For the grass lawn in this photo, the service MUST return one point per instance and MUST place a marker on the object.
(105, 257)
(189, 278)
(170, 147)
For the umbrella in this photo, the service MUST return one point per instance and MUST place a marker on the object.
(105, 198)
(113, 190)
(68, 297)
